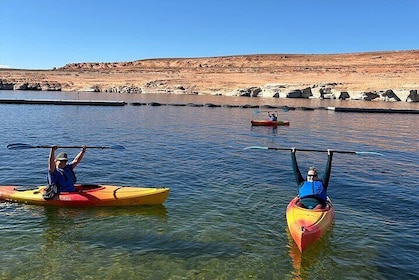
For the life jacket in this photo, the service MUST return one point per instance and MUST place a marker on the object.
(313, 189)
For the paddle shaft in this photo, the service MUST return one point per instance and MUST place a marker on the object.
(312, 150)
(73, 147)
(20, 146)
(285, 109)
(263, 111)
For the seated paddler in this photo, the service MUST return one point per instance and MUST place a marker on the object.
(273, 117)
(61, 177)
(313, 191)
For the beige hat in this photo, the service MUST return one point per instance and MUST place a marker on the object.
(62, 157)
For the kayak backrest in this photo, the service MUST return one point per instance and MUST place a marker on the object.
(25, 188)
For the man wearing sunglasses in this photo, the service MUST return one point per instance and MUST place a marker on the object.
(313, 191)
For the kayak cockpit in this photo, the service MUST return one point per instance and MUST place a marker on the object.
(88, 187)
(79, 187)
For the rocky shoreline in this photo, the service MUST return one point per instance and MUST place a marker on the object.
(386, 76)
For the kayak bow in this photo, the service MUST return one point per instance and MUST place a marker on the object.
(307, 226)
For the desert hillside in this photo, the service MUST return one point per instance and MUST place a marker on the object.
(373, 71)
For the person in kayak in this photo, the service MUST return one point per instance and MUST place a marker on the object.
(61, 177)
(272, 117)
(313, 191)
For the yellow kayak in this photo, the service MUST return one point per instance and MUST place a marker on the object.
(87, 196)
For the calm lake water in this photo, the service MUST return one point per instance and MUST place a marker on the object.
(225, 215)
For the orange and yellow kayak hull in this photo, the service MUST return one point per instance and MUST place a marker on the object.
(88, 196)
(306, 226)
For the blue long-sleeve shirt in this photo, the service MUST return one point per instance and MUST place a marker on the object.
(63, 178)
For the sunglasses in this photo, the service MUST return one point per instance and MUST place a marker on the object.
(311, 175)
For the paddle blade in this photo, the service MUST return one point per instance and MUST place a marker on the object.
(313, 150)
(117, 147)
(369, 153)
(19, 146)
(256, 112)
(256, 147)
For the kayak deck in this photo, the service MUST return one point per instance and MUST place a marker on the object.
(306, 226)
(87, 195)
(269, 123)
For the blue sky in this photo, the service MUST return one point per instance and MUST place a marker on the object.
(43, 34)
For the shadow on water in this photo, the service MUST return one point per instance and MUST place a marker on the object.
(53, 213)
(66, 224)
(158, 211)
(166, 245)
(61, 220)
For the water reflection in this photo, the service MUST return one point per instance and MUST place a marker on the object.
(266, 130)
(166, 245)
(62, 221)
(306, 263)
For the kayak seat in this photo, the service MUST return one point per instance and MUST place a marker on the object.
(81, 187)
(26, 188)
(309, 202)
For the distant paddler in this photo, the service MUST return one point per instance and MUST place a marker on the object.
(273, 117)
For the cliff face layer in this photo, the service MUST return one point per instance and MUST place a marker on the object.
(373, 71)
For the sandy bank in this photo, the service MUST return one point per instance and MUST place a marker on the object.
(354, 73)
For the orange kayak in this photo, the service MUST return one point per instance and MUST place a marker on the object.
(307, 226)
(269, 123)
(87, 196)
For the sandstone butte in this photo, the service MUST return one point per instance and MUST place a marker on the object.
(362, 72)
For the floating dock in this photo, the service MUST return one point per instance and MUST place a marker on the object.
(123, 103)
(64, 102)
(373, 110)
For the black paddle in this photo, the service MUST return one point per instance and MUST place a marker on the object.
(21, 146)
(285, 109)
(312, 150)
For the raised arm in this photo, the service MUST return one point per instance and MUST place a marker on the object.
(328, 169)
(51, 159)
(298, 177)
(78, 157)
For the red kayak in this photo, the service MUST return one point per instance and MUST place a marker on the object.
(269, 123)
